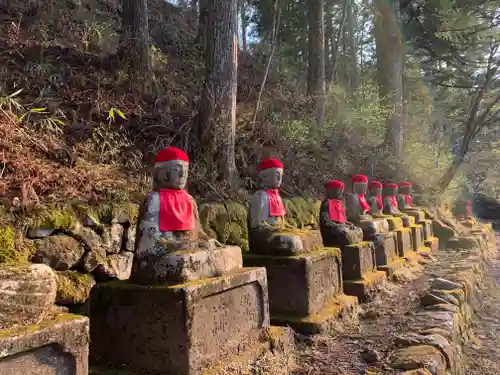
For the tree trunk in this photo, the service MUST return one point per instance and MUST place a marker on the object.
(329, 39)
(316, 73)
(244, 25)
(338, 39)
(217, 125)
(202, 23)
(134, 38)
(351, 46)
(389, 46)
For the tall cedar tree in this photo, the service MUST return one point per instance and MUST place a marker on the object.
(217, 125)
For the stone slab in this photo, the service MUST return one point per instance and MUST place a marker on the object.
(366, 288)
(393, 267)
(395, 223)
(386, 250)
(417, 213)
(358, 260)
(404, 242)
(185, 266)
(181, 329)
(417, 236)
(340, 308)
(56, 346)
(301, 285)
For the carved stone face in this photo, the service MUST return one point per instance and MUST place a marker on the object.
(375, 191)
(359, 187)
(407, 190)
(270, 178)
(334, 193)
(171, 174)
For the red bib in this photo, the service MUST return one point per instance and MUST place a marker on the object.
(393, 200)
(408, 199)
(176, 210)
(276, 207)
(362, 202)
(336, 210)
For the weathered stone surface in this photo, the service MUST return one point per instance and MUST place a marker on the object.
(60, 252)
(429, 299)
(94, 258)
(386, 248)
(117, 266)
(358, 260)
(444, 284)
(53, 347)
(420, 371)
(448, 297)
(366, 288)
(285, 243)
(435, 340)
(404, 241)
(442, 307)
(27, 294)
(73, 287)
(463, 243)
(113, 237)
(442, 231)
(185, 266)
(417, 357)
(179, 329)
(34, 233)
(129, 238)
(311, 280)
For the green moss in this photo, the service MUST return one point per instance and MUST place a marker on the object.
(238, 235)
(237, 212)
(8, 253)
(73, 287)
(52, 218)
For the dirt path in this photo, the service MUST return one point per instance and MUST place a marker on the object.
(483, 352)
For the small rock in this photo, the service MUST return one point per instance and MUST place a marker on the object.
(442, 307)
(429, 299)
(60, 252)
(73, 287)
(34, 233)
(370, 355)
(435, 340)
(418, 357)
(27, 294)
(444, 284)
(370, 314)
(420, 371)
(448, 297)
(118, 266)
(88, 237)
(129, 238)
(93, 258)
(113, 238)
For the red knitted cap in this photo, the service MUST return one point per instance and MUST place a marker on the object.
(270, 163)
(376, 184)
(391, 185)
(359, 178)
(171, 153)
(334, 184)
(405, 184)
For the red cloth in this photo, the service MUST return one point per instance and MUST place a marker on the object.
(408, 199)
(359, 178)
(334, 184)
(391, 185)
(362, 201)
(171, 153)
(405, 184)
(393, 200)
(276, 207)
(337, 210)
(176, 210)
(376, 184)
(270, 163)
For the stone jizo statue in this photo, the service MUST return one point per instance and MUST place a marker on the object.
(375, 199)
(169, 233)
(391, 206)
(405, 199)
(335, 229)
(269, 231)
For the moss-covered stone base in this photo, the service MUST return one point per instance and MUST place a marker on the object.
(391, 269)
(340, 309)
(55, 346)
(404, 241)
(366, 288)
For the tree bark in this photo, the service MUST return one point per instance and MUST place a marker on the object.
(338, 39)
(352, 49)
(389, 51)
(217, 125)
(202, 22)
(329, 39)
(134, 38)
(316, 73)
(244, 25)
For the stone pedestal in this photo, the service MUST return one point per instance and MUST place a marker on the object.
(180, 329)
(418, 239)
(387, 254)
(359, 270)
(305, 291)
(404, 240)
(430, 241)
(55, 346)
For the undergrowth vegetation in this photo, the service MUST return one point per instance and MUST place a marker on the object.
(71, 125)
